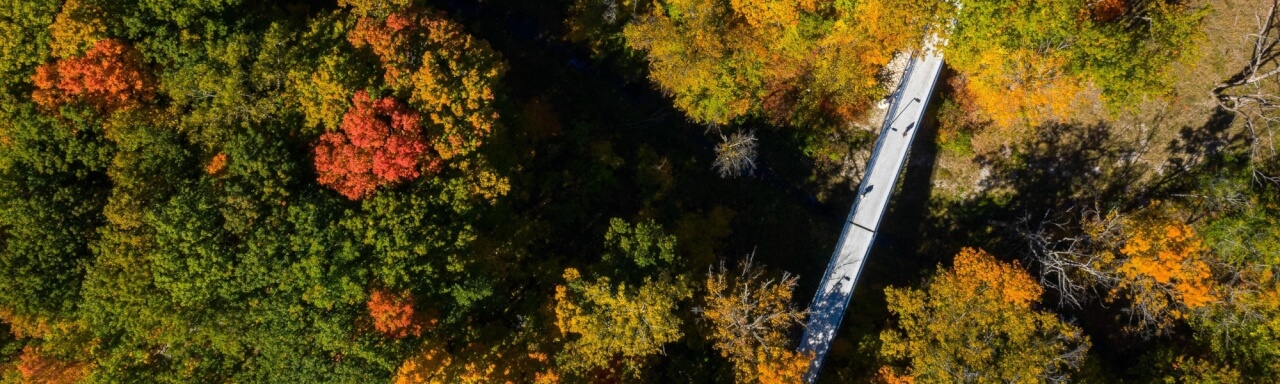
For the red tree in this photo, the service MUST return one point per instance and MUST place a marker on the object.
(109, 76)
(380, 143)
(393, 314)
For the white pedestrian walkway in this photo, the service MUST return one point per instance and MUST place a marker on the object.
(901, 124)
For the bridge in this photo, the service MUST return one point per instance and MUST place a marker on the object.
(902, 121)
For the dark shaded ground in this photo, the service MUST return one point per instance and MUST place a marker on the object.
(595, 141)
(594, 144)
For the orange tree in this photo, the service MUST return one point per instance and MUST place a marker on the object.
(1162, 270)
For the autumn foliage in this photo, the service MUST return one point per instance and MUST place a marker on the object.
(474, 363)
(450, 75)
(1027, 62)
(750, 318)
(1107, 10)
(380, 143)
(616, 323)
(76, 28)
(786, 60)
(977, 320)
(37, 368)
(216, 164)
(393, 314)
(109, 76)
(1026, 86)
(781, 366)
(1163, 269)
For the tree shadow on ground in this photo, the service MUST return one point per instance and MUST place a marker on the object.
(1064, 168)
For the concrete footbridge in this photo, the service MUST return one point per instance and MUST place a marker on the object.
(902, 121)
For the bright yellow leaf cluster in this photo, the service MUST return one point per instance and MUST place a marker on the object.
(786, 60)
(77, 28)
(1023, 86)
(616, 320)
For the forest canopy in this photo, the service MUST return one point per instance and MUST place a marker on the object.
(418, 191)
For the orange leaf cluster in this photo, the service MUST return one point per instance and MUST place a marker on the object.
(35, 367)
(1107, 10)
(979, 272)
(389, 40)
(1168, 255)
(110, 76)
(888, 375)
(393, 314)
(380, 143)
(216, 164)
(781, 366)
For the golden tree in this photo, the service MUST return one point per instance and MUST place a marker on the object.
(1028, 61)
(786, 60)
(449, 74)
(616, 321)
(976, 322)
(749, 317)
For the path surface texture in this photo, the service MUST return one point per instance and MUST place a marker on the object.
(901, 124)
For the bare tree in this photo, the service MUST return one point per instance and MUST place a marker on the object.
(1249, 93)
(736, 154)
(749, 312)
(1072, 259)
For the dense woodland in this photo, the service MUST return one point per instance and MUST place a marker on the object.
(477, 191)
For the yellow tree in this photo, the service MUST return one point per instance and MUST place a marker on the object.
(76, 28)
(616, 321)
(750, 317)
(787, 60)
(975, 323)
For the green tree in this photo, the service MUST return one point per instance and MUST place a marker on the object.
(1243, 328)
(52, 192)
(25, 23)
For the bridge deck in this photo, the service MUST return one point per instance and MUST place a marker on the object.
(901, 124)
